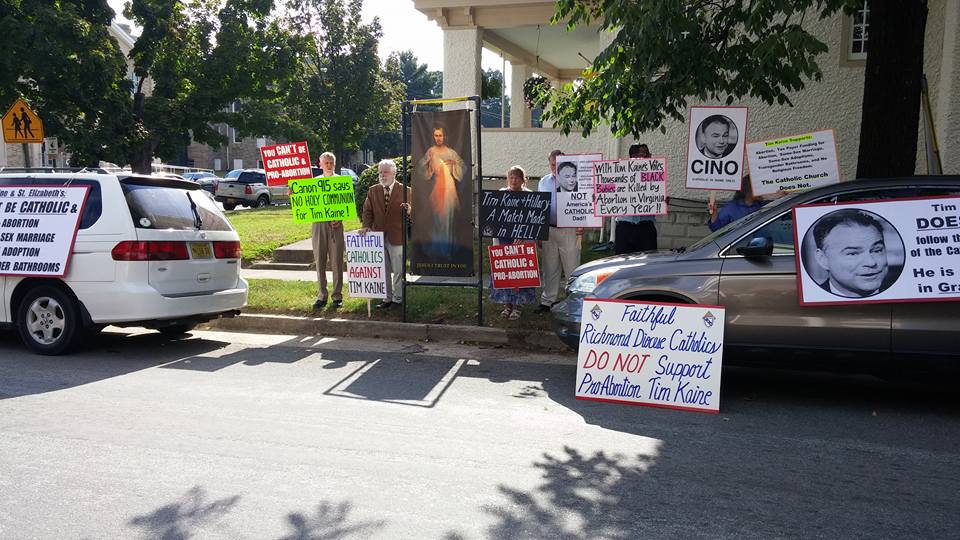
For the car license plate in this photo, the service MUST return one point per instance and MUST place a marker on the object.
(201, 250)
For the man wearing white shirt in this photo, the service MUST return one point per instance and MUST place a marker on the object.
(561, 250)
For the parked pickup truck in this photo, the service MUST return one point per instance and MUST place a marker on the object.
(250, 189)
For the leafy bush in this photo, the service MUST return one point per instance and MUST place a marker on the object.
(371, 177)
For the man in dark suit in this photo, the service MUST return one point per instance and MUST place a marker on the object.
(383, 212)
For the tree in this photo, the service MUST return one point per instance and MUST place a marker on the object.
(665, 53)
(202, 58)
(339, 93)
(60, 57)
(491, 89)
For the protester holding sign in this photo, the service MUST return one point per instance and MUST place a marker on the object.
(512, 299)
(562, 248)
(743, 203)
(635, 233)
(328, 244)
(383, 212)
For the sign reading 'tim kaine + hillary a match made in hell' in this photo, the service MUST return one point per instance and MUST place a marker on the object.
(38, 226)
(659, 355)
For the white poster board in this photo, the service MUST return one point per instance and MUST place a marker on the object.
(575, 198)
(366, 268)
(630, 187)
(715, 147)
(38, 227)
(901, 250)
(793, 163)
(658, 355)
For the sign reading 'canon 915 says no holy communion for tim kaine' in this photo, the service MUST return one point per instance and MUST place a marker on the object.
(658, 355)
(38, 225)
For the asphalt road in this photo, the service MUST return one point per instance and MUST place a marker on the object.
(270, 436)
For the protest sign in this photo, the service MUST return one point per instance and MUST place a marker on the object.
(898, 250)
(793, 163)
(643, 353)
(514, 265)
(327, 198)
(715, 148)
(38, 227)
(285, 162)
(515, 214)
(366, 268)
(630, 187)
(574, 181)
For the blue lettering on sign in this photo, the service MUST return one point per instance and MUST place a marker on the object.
(655, 315)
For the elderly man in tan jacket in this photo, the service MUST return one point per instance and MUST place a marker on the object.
(383, 212)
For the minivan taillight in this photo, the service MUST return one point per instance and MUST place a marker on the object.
(247, 190)
(150, 251)
(226, 250)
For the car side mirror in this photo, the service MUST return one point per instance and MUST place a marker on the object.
(758, 247)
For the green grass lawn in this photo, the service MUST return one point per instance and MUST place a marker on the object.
(262, 230)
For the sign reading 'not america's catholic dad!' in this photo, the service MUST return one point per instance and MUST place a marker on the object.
(658, 355)
(38, 226)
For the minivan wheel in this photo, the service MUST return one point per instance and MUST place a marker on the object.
(176, 329)
(48, 320)
(262, 201)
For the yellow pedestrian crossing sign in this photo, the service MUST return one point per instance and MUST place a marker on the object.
(21, 125)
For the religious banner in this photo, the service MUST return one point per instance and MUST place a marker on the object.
(285, 162)
(366, 267)
(793, 163)
(441, 243)
(574, 185)
(522, 215)
(38, 227)
(630, 187)
(715, 147)
(897, 250)
(326, 198)
(653, 354)
(514, 265)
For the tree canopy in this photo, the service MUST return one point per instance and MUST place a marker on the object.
(666, 54)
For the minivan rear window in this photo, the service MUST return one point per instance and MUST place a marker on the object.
(155, 206)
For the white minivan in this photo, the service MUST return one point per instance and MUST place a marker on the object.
(150, 251)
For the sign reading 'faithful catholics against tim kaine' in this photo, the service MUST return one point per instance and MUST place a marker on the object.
(366, 267)
(522, 215)
(659, 355)
(327, 198)
(285, 162)
(38, 226)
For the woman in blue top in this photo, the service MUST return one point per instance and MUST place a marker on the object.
(743, 203)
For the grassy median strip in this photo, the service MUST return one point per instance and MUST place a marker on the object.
(437, 305)
(262, 230)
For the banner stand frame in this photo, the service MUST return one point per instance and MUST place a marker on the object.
(407, 108)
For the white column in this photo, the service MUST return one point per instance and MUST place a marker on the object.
(947, 117)
(519, 112)
(461, 64)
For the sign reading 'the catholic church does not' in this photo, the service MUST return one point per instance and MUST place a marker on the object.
(658, 355)
(38, 226)
(715, 147)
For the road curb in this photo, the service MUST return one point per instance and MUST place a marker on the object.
(287, 324)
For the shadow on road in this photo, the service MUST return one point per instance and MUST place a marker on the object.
(329, 521)
(178, 520)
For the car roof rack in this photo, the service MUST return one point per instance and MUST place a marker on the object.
(52, 170)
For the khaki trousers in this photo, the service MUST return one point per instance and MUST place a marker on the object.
(328, 243)
(560, 251)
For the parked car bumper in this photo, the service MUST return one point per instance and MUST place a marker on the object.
(143, 303)
(565, 316)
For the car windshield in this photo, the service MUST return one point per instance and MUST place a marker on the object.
(773, 206)
(155, 205)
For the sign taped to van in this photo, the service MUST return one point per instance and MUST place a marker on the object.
(327, 198)
(38, 227)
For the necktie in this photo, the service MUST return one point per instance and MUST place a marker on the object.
(386, 196)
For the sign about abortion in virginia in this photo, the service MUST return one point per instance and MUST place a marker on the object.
(658, 355)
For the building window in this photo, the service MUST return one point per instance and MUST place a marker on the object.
(859, 33)
(236, 136)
